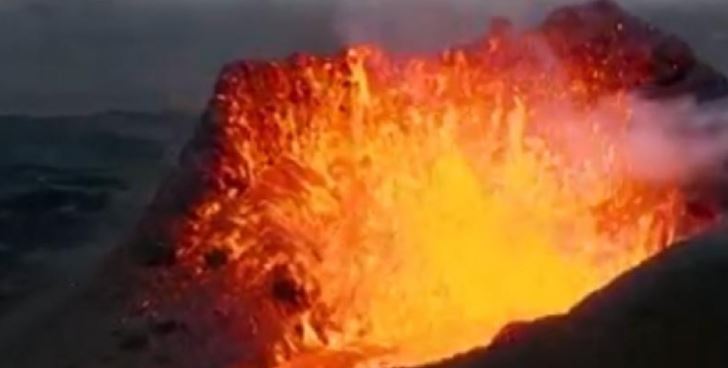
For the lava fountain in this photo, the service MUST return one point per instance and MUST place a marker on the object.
(363, 209)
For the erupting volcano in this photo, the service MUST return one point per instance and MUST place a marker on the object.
(365, 209)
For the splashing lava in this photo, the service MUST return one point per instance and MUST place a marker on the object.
(367, 210)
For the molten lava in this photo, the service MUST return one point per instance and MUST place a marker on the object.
(364, 209)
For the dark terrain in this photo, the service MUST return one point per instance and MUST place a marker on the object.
(71, 187)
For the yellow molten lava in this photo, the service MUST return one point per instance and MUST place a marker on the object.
(394, 213)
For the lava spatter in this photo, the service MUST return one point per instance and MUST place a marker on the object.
(368, 210)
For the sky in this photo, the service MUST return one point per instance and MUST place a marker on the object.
(81, 56)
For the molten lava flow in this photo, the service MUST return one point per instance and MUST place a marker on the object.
(365, 210)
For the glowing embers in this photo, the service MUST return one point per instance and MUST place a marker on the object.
(398, 213)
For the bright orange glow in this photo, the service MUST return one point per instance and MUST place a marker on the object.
(384, 212)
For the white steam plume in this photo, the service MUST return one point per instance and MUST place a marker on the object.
(679, 140)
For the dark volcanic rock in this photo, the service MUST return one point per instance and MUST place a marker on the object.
(152, 243)
(134, 342)
(658, 64)
(50, 214)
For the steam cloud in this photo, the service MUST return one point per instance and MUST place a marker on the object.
(679, 140)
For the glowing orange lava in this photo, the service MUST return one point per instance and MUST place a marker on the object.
(369, 211)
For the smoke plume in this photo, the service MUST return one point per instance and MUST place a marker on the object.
(678, 139)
